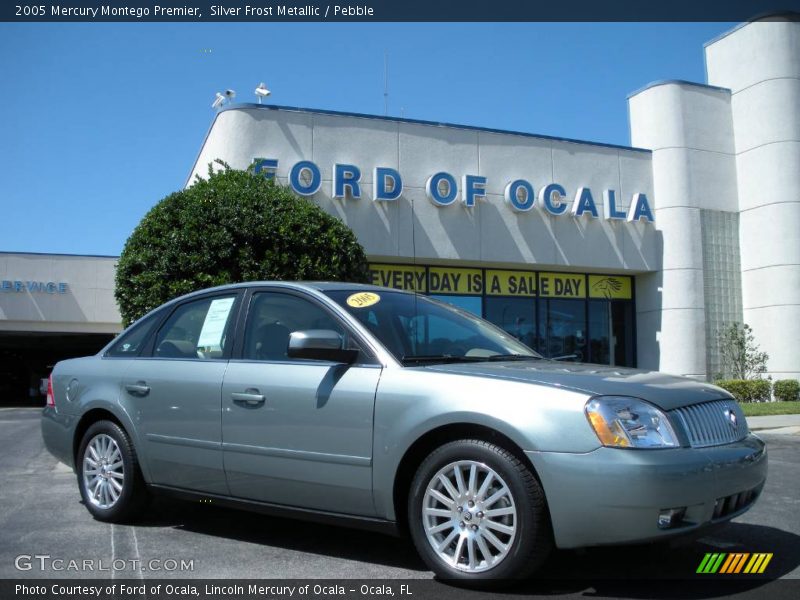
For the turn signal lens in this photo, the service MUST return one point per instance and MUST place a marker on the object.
(603, 431)
(621, 422)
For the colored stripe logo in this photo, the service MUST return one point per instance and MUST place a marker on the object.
(735, 562)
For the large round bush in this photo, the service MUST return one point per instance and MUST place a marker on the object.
(234, 226)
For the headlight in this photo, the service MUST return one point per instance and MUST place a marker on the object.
(622, 422)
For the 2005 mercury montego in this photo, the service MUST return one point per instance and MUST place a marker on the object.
(394, 411)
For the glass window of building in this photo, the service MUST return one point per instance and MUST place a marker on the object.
(473, 304)
(600, 335)
(516, 316)
(622, 329)
(562, 329)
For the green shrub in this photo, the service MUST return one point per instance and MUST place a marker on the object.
(234, 226)
(747, 390)
(761, 390)
(787, 390)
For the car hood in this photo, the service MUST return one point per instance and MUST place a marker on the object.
(663, 390)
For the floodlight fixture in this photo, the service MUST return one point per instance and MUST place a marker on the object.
(262, 91)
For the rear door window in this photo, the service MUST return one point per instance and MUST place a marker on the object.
(197, 330)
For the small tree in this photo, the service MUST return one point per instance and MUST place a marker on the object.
(234, 226)
(741, 357)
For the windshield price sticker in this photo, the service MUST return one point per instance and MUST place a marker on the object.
(363, 299)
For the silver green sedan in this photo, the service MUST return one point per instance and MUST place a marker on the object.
(388, 410)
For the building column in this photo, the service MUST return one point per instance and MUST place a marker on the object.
(760, 63)
(688, 127)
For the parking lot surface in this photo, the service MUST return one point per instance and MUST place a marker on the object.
(41, 514)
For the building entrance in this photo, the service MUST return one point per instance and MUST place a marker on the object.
(26, 358)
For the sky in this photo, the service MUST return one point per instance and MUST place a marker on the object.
(102, 120)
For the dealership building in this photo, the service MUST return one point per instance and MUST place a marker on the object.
(630, 256)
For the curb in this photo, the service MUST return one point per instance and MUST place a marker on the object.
(789, 430)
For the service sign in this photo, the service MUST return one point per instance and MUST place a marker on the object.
(32, 287)
(444, 189)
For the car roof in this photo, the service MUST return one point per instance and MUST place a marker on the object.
(329, 286)
(320, 286)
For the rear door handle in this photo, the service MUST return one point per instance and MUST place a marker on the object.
(251, 398)
(140, 389)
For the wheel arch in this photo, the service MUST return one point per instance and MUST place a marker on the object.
(89, 418)
(106, 412)
(429, 441)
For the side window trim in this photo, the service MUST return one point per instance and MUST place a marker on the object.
(149, 350)
(366, 357)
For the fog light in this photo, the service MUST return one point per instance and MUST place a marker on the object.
(670, 517)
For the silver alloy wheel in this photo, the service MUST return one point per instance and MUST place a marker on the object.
(103, 471)
(469, 516)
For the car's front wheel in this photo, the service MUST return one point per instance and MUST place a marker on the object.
(477, 513)
(109, 478)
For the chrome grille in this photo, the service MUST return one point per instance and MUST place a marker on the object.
(711, 423)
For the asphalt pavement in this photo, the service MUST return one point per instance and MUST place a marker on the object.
(41, 514)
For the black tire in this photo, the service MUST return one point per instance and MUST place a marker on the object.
(527, 549)
(133, 496)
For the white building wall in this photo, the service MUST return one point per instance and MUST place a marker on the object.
(689, 129)
(87, 304)
(412, 226)
(760, 63)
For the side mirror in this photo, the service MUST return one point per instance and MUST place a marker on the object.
(320, 344)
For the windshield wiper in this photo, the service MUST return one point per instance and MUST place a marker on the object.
(449, 358)
(500, 357)
(438, 358)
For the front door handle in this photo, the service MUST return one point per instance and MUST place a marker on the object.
(140, 389)
(251, 398)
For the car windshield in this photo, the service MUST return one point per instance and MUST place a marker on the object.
(419, 330)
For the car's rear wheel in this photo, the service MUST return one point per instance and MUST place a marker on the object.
(477, 513)
(109, 477)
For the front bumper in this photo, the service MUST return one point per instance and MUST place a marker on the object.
(614, 496)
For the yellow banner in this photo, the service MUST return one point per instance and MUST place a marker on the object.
(400, 277)
(562, 285)
(498, 282)
(445, 280)
(610, 287)
(510, 283)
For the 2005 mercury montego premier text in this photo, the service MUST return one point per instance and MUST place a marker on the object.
(394, 411)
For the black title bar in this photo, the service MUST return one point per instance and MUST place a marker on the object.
(398, 10)
(744, 587)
